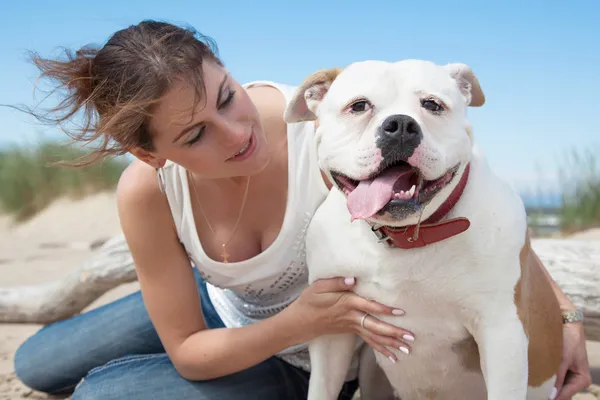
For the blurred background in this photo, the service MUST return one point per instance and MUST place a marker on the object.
(537, 62)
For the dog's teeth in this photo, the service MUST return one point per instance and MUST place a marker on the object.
(405, 195)
(412, 190)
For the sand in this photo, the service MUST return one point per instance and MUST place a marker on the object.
(60, 239)
(590, 234)
(46, 248)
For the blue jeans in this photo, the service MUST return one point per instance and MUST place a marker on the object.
(117, 352)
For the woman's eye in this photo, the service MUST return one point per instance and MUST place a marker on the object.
(360, 106)
(195, 137)
(228, 99)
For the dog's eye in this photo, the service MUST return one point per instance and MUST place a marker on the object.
(431, 105)
(360, 106)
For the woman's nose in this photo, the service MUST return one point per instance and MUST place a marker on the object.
(233, 133)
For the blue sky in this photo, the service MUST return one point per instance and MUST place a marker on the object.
(537, 61)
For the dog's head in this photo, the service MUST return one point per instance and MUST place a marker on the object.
(393, 137)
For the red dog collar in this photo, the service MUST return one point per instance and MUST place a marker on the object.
(431, 230)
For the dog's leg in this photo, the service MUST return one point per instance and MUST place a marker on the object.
(502, 347)
(374, 384)
(330, 358)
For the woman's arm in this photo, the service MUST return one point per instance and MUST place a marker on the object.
(170, 293)
(212, 353)
(563, 301)
(171, 297)
(574, 371)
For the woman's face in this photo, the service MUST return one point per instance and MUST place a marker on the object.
(219, 136)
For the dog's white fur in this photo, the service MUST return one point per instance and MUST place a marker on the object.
(454, 291)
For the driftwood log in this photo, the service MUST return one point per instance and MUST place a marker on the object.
(110, 266)
(573, 264)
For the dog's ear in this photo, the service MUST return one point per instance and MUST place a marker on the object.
(468, 84)
(309, 95)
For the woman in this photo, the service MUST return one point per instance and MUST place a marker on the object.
(220, 182)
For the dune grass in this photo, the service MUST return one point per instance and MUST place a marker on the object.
(579, 175)
(30, 178)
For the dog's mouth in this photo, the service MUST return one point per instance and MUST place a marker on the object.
(397, 186)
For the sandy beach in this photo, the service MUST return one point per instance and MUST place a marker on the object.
(46, 248)
(61, 238)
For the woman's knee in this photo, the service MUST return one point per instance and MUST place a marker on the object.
(24, 366)
(56, 357)
(155, 377)
(36, 370)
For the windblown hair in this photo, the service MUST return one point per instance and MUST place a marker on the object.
(114, 87)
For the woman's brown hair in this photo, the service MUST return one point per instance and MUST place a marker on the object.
(114, 87)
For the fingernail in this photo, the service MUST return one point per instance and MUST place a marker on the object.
(410, 338)
(392, 359)
(349, 281)
(397, 312)
(553, 394)
(404, 350)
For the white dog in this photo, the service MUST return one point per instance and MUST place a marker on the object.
(421, 221)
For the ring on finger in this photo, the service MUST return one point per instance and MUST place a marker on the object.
(362, 320)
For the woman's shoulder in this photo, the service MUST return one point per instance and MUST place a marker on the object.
(270, 103)
(143, 208)
(271, 99)
(138, 188)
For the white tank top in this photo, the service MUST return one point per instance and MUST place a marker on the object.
(248, 291)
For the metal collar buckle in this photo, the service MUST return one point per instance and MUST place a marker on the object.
(381, 237)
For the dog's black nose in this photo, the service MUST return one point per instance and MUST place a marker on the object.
(398, 137)
(401, 127)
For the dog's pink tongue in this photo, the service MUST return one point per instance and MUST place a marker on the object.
(372, 195)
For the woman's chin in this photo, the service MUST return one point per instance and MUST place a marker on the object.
(257, 164)
(259, 159)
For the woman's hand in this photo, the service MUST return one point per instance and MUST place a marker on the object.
(574, 371)
(328, 307)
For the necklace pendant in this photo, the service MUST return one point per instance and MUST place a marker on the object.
(225, 255)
